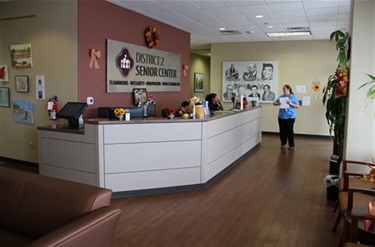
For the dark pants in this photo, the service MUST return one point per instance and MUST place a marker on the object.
(286, 131)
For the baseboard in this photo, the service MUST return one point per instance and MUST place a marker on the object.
(19, 162)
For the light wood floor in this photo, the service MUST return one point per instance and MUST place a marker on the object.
(272, 198)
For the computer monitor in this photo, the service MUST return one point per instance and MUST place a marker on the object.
(72, 111)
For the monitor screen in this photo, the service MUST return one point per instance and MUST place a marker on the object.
(72, 110)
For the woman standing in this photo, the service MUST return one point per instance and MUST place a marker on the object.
(288, 103)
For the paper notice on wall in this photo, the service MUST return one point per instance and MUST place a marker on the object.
(301, 89)
(40, 87)
(306, 101)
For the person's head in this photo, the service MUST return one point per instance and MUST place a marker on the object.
(254, 89)
(252, 67)
(287, 90)
(230, 88)
(267, 71)
(185, 106)
(266, 88)
(212, 98)
(241, 90)
(232, 65)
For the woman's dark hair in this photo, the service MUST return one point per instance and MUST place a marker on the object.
(289, 88)
(210, 97)
(266, 85)
(184, 103)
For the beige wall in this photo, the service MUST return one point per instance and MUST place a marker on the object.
(199, 64)
(52, 35)
(360, 137)
(300, 63)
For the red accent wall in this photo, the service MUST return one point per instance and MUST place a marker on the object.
(100, 20)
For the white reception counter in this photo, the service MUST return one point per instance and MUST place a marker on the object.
(151, 155)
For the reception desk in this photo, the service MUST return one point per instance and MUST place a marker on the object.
(149, 155)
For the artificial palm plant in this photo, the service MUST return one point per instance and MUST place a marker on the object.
(336, 90)
(371, 91)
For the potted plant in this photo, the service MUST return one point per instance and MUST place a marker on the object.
(336, 90)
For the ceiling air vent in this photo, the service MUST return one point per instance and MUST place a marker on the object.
(298, 29)
(229, 32)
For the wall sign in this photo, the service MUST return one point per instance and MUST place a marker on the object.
(257, 80)
(130, 66)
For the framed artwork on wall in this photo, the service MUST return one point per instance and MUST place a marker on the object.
(198, 82)
(4, 97)
(4, 73)
(139, 96)
(22, 84)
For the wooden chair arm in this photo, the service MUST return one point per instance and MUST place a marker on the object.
(354, 224)
(353, 190)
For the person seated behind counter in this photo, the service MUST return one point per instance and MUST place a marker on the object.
(214, 102)
(185, 108)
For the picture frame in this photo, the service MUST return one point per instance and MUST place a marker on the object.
(4, 97)
(198, 82)
(139, 96)
(4, 73)
(22, 84)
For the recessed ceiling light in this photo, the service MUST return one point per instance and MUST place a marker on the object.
(222, 28)
(270, 26)
(259, 16)
(285, 34)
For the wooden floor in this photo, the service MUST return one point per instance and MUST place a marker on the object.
(272, 198)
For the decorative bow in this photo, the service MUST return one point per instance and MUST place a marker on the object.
(185, 67)
(94, 56)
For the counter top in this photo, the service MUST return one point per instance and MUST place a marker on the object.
(219, 114)
(105, 121)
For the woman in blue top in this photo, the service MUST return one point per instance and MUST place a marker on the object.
(288, 103)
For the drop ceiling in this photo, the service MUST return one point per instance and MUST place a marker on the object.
(203, 18)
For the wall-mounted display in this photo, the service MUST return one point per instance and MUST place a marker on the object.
(198, 82)
(22, 84)
(252, 79)
(4, 73)
(21, 56)
(4, 97)
(130, 66)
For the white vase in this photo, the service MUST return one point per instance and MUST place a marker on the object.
(120, 117)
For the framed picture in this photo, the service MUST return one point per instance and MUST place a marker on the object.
(22, 84)
(4, 73)
(4, 97)
(139, 96)
(198, 82)
(21, 56)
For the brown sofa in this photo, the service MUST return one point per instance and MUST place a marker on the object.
(41, 211)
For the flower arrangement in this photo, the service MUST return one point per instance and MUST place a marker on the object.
(245, 102)
(342, 77)
(370, 177)
(195, 101)
(171, 111)
(119, 112)
(152, 37)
